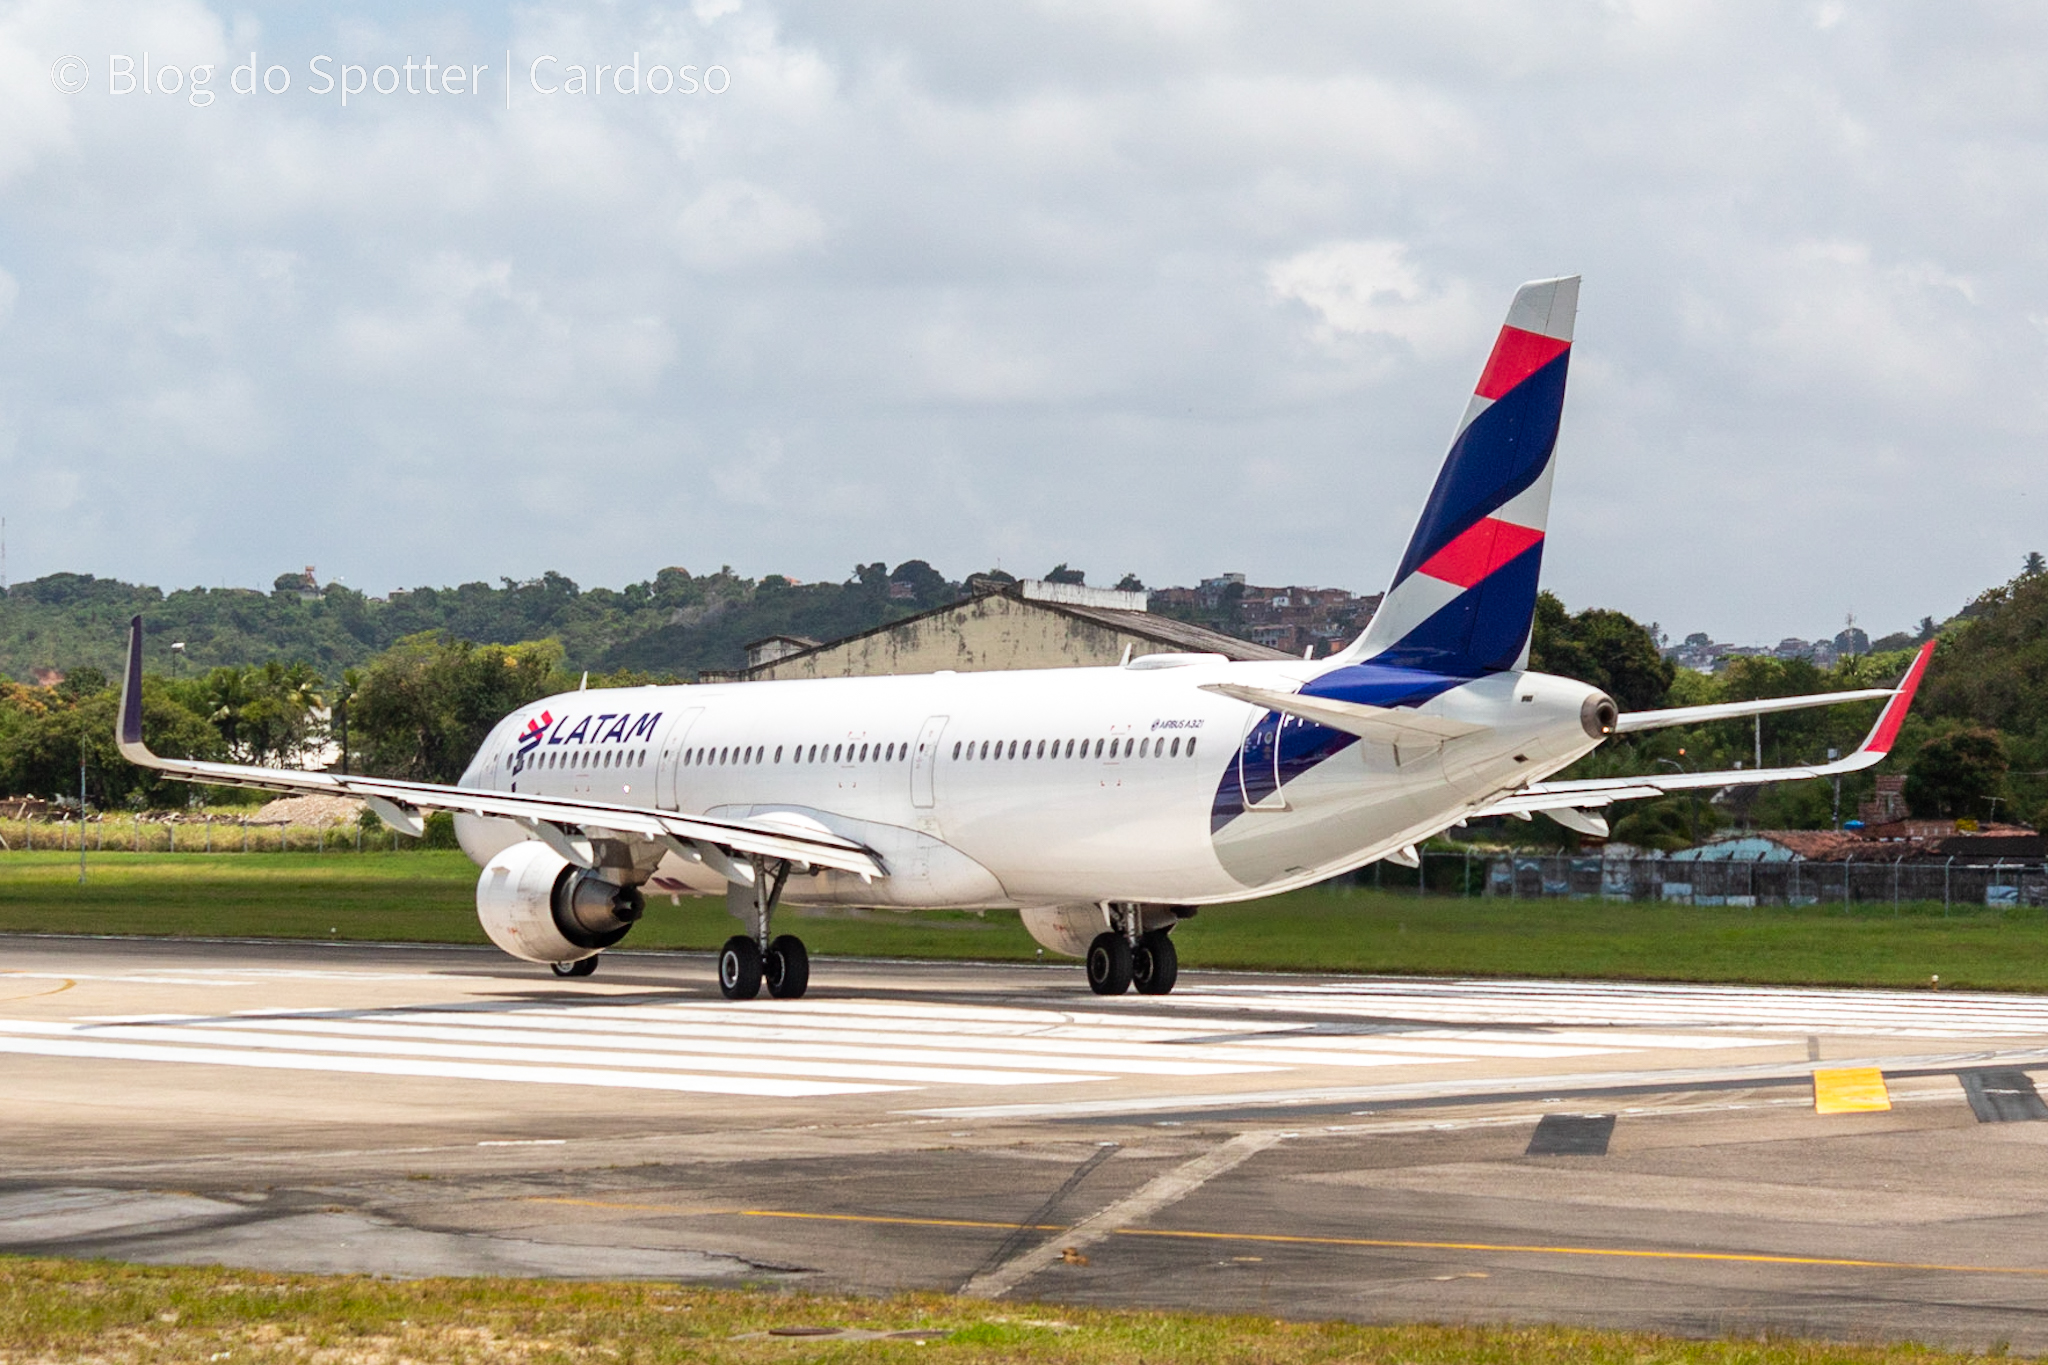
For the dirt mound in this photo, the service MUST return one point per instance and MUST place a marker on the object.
(309, 810)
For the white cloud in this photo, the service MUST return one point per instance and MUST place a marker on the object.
(1375, 288)
(734, 223)
(1056, 281)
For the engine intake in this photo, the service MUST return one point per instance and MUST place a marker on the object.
(539, 907)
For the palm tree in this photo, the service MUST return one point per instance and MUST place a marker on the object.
(227, 698)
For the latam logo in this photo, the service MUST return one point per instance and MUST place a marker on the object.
(611, 727)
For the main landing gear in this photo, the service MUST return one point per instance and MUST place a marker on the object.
(1122, 958)
(582, 966)
(749, 961)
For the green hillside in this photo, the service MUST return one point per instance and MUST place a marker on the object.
(673, 624)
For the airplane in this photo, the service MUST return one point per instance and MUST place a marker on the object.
(1104, 805)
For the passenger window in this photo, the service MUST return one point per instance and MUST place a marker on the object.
(1191, 746)
(956, 748)
(1175, 751)
(1144, 747)
(1041, 749)
(778, 753)
(1013, 749)
(835, 752)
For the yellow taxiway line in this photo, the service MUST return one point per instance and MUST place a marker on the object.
(1396, 1244)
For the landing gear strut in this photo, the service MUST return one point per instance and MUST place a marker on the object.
(1123, 957)
(747, 961)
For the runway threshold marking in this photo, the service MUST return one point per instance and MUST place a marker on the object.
(1850, 1090)
(1397, 1244)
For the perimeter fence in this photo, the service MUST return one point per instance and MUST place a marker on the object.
(140, 834)
(1949, 882)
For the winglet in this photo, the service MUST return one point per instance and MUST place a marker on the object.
(1893, 716)
(128, 725)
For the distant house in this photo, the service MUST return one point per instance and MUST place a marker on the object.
(1908, 840)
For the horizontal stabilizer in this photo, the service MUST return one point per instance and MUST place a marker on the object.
(1633, 721)
(1388, 725)
(1590, 793)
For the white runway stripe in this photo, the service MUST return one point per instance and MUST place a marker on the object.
(190, 1035)
(462, 1071)
(978, 1067)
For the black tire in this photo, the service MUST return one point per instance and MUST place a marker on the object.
(787, 967)
(1109, 965)
(582, 966)
(1155, 965)
(739, 968)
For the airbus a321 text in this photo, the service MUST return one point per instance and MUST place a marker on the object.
(1104, 804)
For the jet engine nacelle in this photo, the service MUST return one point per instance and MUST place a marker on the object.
(537, 905)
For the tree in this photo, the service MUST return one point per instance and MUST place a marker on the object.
(42, 737)
(1060, 573)
(1957, 774)
(928, 587)
(2033, 566)
(1607, 649)
(1130, 582)
(425, 705)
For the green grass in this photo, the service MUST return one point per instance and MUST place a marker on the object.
(428, 897)
(73, 1310)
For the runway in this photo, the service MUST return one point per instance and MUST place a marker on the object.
(1624, 1155)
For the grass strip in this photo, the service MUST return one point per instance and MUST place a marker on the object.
(70, 1310)
(429, 897)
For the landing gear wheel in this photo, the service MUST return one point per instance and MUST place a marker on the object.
(787, 967)
(582, 966)
(739, 968)
(1155, 966)
(1109, 965)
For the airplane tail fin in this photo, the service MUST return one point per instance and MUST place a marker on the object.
(1464, 597)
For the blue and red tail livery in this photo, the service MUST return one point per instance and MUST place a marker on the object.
(1463, 599)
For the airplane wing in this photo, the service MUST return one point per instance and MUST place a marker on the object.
(564, 824)
(1572, 804)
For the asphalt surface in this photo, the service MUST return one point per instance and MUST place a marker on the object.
(1367, 1148)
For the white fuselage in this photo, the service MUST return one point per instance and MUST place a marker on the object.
(1098, 784)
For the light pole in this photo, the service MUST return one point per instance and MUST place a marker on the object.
(1692, 803)
(1833, 754)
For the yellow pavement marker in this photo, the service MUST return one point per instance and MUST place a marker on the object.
(1850, 1090)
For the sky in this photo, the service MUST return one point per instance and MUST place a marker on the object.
(1164, 287)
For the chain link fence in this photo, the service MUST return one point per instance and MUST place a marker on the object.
(1949, 882)
(134, 834)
